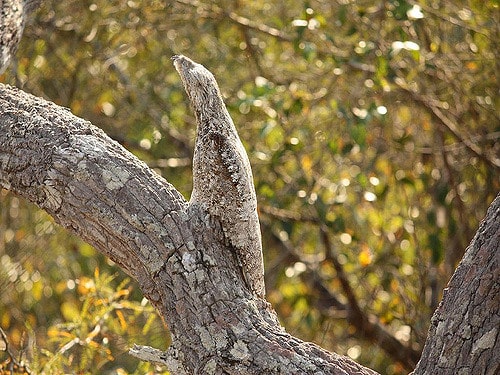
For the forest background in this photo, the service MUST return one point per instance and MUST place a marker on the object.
(372, 128)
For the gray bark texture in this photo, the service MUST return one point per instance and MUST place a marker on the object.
(464, 333)
(13, 14)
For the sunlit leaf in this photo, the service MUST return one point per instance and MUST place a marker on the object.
(365, 256)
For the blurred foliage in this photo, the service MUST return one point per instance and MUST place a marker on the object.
(67, 310)
(373, 122)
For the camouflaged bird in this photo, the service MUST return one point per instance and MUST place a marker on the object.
(222, 176)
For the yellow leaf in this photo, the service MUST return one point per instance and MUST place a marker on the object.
(122, 293)
(55, 332)
(121, 318)
(86, 285)
(5, 320)
(426, 125)
(37, 291)
(306, 165)
(70, 311)
(93, 344)
(365, 256)
(146, 327)
(394, 285)
(471, 65)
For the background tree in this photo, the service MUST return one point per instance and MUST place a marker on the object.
(372, 133)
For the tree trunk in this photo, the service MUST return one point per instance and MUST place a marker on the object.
(463, 337)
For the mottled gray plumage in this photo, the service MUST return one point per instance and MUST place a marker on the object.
(222, 176)
(13, 15)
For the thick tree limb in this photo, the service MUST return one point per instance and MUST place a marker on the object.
(177, 253)
(464, 333)
(78, 175)
(95, 188)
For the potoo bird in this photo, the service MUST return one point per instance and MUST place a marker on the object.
(222, 176)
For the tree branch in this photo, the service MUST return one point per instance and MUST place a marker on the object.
(464, 332)
(12, 364)
(14, 14)
(88, 183)
(240, 20)
(369, 326)
(94, 187)
(178, 254)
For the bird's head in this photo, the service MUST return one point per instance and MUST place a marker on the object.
(199, 83)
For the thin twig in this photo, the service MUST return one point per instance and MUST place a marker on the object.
(214, 11)
(367, 326)
(493, 136)
(448, 18)
(281, 214)
(326, 299)
(449, 125)
(357, 313)
(243, 21)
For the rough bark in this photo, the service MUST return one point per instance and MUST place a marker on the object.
(13, 14)
(464, 333)
(95, 188)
